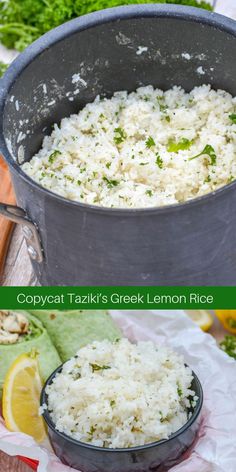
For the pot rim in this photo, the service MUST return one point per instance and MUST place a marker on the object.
(88, 21)
(185, 427)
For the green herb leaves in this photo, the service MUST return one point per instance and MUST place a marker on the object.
(92, 431)
(53, 156)
(150, 142)
(159, 161)
(207, 151)
(96, 367)
(230, 179)
(229, 345)
(185, 144)
(182, 145)
(3, 68)
(120, 135)
(111, 183)
(232, 117)
(179, 390)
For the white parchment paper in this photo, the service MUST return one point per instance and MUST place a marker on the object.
(214, 449)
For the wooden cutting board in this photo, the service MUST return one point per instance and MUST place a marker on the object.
(6, 227)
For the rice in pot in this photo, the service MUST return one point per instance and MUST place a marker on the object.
(148, 148)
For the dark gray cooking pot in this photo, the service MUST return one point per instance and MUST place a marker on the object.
(187, 244)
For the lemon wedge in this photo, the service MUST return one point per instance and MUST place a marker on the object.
(21, 397)
(202, 317)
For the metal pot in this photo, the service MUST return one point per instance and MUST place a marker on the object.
(72, 243)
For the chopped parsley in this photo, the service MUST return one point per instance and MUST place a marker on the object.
(162, 105)
(3, 68)
(208, 179)
(163, 108)
(232, 117)
(182, 145)
(108, 165)
(53, 156)
(120, 135)
(149, 193)
(68, 177)
(150, 142)
(207, 151)
(96, 367)
(229, 345)
(111, 183)
(159, 161)
(162, 419)
(230, 179)
(179, 390)
(92, 431)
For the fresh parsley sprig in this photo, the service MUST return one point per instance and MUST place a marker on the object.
(207, 151)
(24, 21)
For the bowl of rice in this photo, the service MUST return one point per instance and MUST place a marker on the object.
(123, 151)
(122, 406)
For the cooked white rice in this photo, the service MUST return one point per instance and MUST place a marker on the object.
(136, 150)
(121, 394)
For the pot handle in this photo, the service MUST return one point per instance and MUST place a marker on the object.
(30, 231)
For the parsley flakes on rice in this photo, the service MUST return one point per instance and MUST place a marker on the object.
(147, 148)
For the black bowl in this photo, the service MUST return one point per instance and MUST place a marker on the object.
(158, 456)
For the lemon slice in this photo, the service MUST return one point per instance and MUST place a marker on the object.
(21, 397)
(202, 317)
